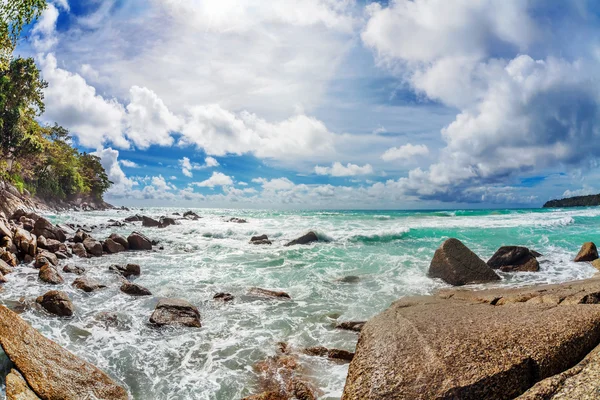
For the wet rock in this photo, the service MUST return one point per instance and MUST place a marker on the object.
(5, 269)
(49, 274)
(134, 218)
(337, 354)
(133, 289)
(237, 220)
(355, 326)
(223, 297)
(17, 388)
(310, 237)
(150, 222)
(45, 228)
(49, 370)
(93, 247)
(80, 236)
(68, 230)
(51, 245)
(596, 264)
(513, 259)
(138, 241)
(8, 258)
(112, 247)
(26, 243)
(588, 252)
(191, 215)
(166, 221)
(62, 256)
(262, 239)
(57, 303)
(5, 231)
(455, 264)
(120, 240)
(126, 271)
(88, 285)
(74, 269)
(50, 257)
(27, 223)
(79, 250)
(350, 279)
(268, 293)
(175, 312)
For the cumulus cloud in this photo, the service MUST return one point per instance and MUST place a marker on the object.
(44, 31)
(63, 4)
(122, 185)
(405, 152)
(216, 179)
(187, 166)
(129, 164)
(274, 184)
(339, 170)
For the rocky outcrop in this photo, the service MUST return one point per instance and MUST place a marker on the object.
(268, 293)
(49, 274)
(150, 222)
(45, 228)
(513, 259)
(455, 264)
(49, 370)
(57, 303)
(310, 237)
(126, 271)
(138, 241)
(88, 285)
(112, 247)
(133, 289)
(588, 252)
(175, 312)
(262, 239)
(577, 201)
(492, 344)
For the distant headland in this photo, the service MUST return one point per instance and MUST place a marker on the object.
(578, 201)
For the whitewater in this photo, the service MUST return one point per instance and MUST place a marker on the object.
(389, 251)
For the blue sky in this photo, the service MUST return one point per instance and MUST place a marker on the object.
(328, 103)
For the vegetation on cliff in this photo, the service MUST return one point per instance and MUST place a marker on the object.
(33, 157)
(578, 201)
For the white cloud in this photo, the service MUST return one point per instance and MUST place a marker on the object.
(187, 166)
(584, 191)
(338, 170)
(274, 184)
(405, 152)
(109, 158)
(129, 164)
(210, 162)
(44, 31)
(64, 4)
(216, 179)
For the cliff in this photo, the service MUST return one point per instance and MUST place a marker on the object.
(579, 201)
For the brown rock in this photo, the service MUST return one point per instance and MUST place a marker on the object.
(17, 388)
(45, 254)
(223, 297)
(51, 371)
(596, 264)
(310, 237)
(267, 396)
(133, 289)
(119, 239)
(150, 222)
(93, 247)
(355, 326)
(175, 312)
(127, 270)
(137, 241)
(588, 252)
(87, 284)
(262, 239)
(80, 236)
(5, 231)
(43, 227)
(52, 245)
(513, 259)
(73, 269)
(8, 258)
(455, 264)
(57, 303)
(134, 218)
(5, 269)
(268, 293)
(166, 221)
(112, 247)
(26, 243)
(49, 274)
(337, 354)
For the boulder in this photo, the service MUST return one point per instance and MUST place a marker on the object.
(588, 252)
(57, 303)
(112, 247)
(126, 270)
(310, 237)
(255, 291)
(87, 284)
(27, 223)
(5, 269)
(596, 264)
(50, 257)
(68, 230)
(49, 274)
(134, 218)
(237, 220)
(166, 221)
(225, 297)
(17, 388)
(455, 264)
(43, 227)
(52, 245)
(133, 289)
(456, 345)
(191, 215)
(62, 255)
(273, 395)
(349, 279)
(262, 239)
(92, 247)
(514, 259)
(150, 222)
(80, 236)
(79, 250)
(26, 243)
(49, 370)
(5, 231)
(175, 312)
(8, 258)
(138, 241)
(119, 239)
(73, 269)
(355, 326)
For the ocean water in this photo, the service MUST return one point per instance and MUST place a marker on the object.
(389, 250)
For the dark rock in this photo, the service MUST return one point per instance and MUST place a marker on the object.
(80, 236)
(43, 227)
(137, 241)
(79, 250)
(310, 237)
(166, 221)
(62, 256)
(350, 279)
(49, 370)
(5, 231)
(112, 247)
(355, 326)
(134, 218)
(8, 258)
(337, 354)
(50, 257)
(455, 264)
(26, 243)
(133, 289)
(49, 274)
(238, 220)
(5, 269)
(262, 239)
(127, 270)
(268, 293)
(223, 296)
(514, 258)
(57, 303)
(52, 245)
(149, 222)
(87, 284)
(191, 215)
(588, 252)
(119, 239)
(73, 269)
(92, 247)
(175, 312)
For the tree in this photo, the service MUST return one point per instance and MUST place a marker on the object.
(94, 175)
(14, 15)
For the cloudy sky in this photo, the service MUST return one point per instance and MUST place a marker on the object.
(328, 103)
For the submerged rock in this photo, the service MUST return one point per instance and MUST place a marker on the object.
(588, 252)
(175, 312)
(138, 241)
(133, 289)
(455, 264)
(49, 370)
(166, 221)
(87, 284)
(255, 291)
(237, 220)
(49, 274)
(334, 354)
(513, 259)
(191, 215)
(350, 279)
(223, 297)
(126, 270)
(310, 237)
(262, 239)
(56, 302)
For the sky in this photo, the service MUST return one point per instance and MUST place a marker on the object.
(328, 104)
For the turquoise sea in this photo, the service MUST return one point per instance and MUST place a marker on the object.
(389, 251)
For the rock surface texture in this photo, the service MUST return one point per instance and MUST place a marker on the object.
(514, 259)
(492, 344)
(588, 252)
(175, 312)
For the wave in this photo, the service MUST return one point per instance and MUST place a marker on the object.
(384, 237)
(558, 222)
(381, 217)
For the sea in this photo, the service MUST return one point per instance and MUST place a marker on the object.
(389, 252)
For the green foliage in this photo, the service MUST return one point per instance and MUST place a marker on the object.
(14, 15)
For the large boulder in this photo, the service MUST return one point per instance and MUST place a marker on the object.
(255, 291)
(134, 218)
(514, 259)
(43, 227)
(87, 284)
(588, 252)
(115, 237)
(74, 269)
(8, 258)
(80, 236)
(45, 254)
(49, 370)
(17, 388)
(166, 221)
(310, 237)
(112, 247)
(5, 269)
(150, 222)
(134, 289)
(126, 271)
(138, 241)
(455, 264)
(492, 344)
(52, 245)
(93, 247)
(26, 243)
(57, 303)
(50, 275)
(5, 230)
(79, 250)
(175, 312)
